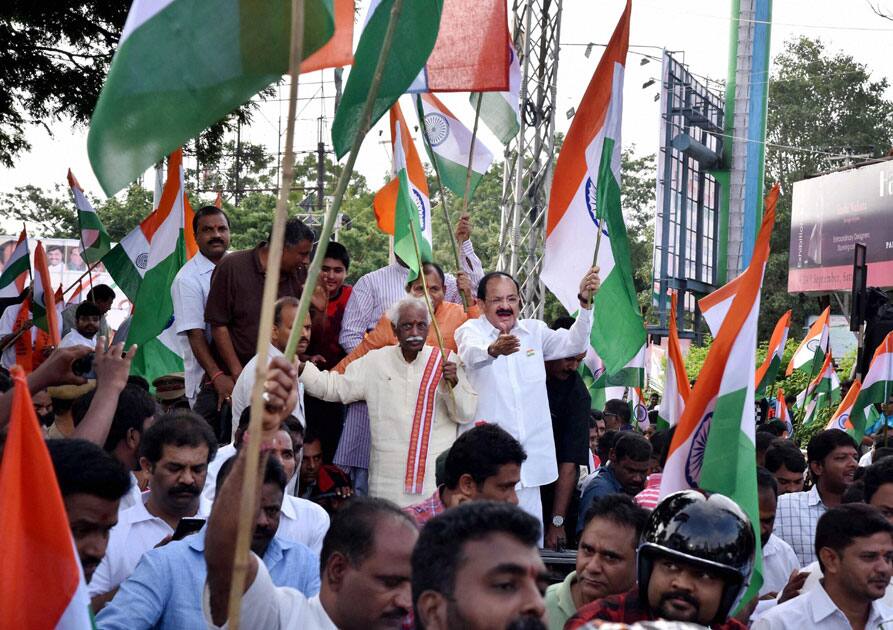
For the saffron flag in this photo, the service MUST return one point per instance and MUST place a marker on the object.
(41, 581)
(449, 145)
(414, 38)
(181, 66)
(95, 241)
(676, 387)
(43, 298)
(501, 111)
(810, 354)
(152, 326)
(782, 413)
(767, 372)
(338, 51)
(713, 447)
(16, 269)
(584, 201)
(405, 158)
(877, 385)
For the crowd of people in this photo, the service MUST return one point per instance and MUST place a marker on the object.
(426, 459)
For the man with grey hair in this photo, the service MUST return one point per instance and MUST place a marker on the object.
(416, 399)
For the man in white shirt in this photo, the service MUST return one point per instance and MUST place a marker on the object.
(854, 544)
(283, 320)
(504, 356)
(831, 457)
(189, 292)
(176, 451)
(86, 325)
(365, 577)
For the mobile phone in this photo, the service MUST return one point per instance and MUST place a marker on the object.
(84, 366)
(186, 527)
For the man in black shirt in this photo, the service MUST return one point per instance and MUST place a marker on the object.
(569, 406)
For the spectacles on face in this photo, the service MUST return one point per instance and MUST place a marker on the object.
(511, 300)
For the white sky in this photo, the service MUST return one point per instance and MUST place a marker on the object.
(700, 28)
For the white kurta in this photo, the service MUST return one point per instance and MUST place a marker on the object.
(390, 387)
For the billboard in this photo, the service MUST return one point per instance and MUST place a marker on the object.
(829, 215)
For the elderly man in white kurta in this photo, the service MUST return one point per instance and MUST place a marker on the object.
(504, 359)
(415, 399)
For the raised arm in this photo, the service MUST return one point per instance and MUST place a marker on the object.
(334, 387)
(112, 368)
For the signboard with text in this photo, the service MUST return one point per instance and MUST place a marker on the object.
(829, 215)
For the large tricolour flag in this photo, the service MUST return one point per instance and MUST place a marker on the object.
(501, 111)
(767, 372)
(842, 417)
(676, 387)
(43, 298)
(449, 144)
(405, 157)
(810, 354)
(877, 385)
(41, 581)
(95, 241)
(713, 447)
(12, 280)
(584, 201)
(181, 66)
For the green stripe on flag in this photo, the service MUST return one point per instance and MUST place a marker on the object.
(14, 270)
(414, 39)
(122, 271)
(406, 220)
(185, 68)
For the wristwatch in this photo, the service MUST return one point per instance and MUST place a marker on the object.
(558, 521)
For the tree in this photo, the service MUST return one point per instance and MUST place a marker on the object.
(820, 105)
(54, 56)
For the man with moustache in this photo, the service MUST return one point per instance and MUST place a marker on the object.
(86, 326)
(416, 399)
(504, 357)
(694, 561)
(175, 451)
(854, 545)
(189, 292)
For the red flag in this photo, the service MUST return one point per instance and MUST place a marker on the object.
(40, 576)
(338, 51)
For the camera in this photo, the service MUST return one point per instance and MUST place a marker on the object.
(84, 366)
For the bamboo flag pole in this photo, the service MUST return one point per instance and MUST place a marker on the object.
(428, 303)
(90, 268)
(443, 203)
(343, 180)
(271, 286)
(474, 135)
(598, 244)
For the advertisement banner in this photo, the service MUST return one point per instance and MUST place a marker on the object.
(829, 215)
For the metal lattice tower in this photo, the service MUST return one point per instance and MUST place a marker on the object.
(529, 159)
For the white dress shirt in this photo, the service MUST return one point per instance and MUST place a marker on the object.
(303, 521)
(512, 389)
(816, 611)
(779, 561)
(814, 581)
(867, 458)
(7, 325)
(271, 607)
(189, 292)
(795, 521)
(74, 338)
(136, 533)
(245, 382)
(133, 496)
(214, 466)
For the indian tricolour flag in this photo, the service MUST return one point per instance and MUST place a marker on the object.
(713, 447)
(95, 241)
(782, 413)
(449, 144)
(12, 280)
(181, 66)
(405, 158)
(823, 390)
(676, 387)
(767, 372)
(810, 354)
(43, 298)
(152, 326)
(637, 409)
(585, 201)
(877, 385)
(41, 580)
(841, 419)
(501, 111)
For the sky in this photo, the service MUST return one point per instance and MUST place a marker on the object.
(698, 29)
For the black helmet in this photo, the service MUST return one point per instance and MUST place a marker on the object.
(707, 530)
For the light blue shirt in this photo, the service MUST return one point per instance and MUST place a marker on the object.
(165, 590)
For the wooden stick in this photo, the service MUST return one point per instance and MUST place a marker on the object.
(343, 180)
(428, 303)
(474, 133)
(598, 244)
(443, 204)
(81, 277)
(271, 287)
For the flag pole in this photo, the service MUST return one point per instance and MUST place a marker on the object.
(428, 303)
(474, 134)
(443, 202)
(90, 268)
(598, 244)
(343, 180)
(30, 274)
(271, 286)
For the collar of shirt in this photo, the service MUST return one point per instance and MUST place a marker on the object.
(813, 497)
(565, 596)
(273, 554)
(494, 332)
(202, 263)
(139, 514)
(821, 606)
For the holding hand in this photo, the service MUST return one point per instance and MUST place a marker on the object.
(280, 393)
(450, 373)
(463, 282)
(463, 229)
(589, 286)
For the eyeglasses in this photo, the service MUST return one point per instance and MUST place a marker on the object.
(511, 300)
